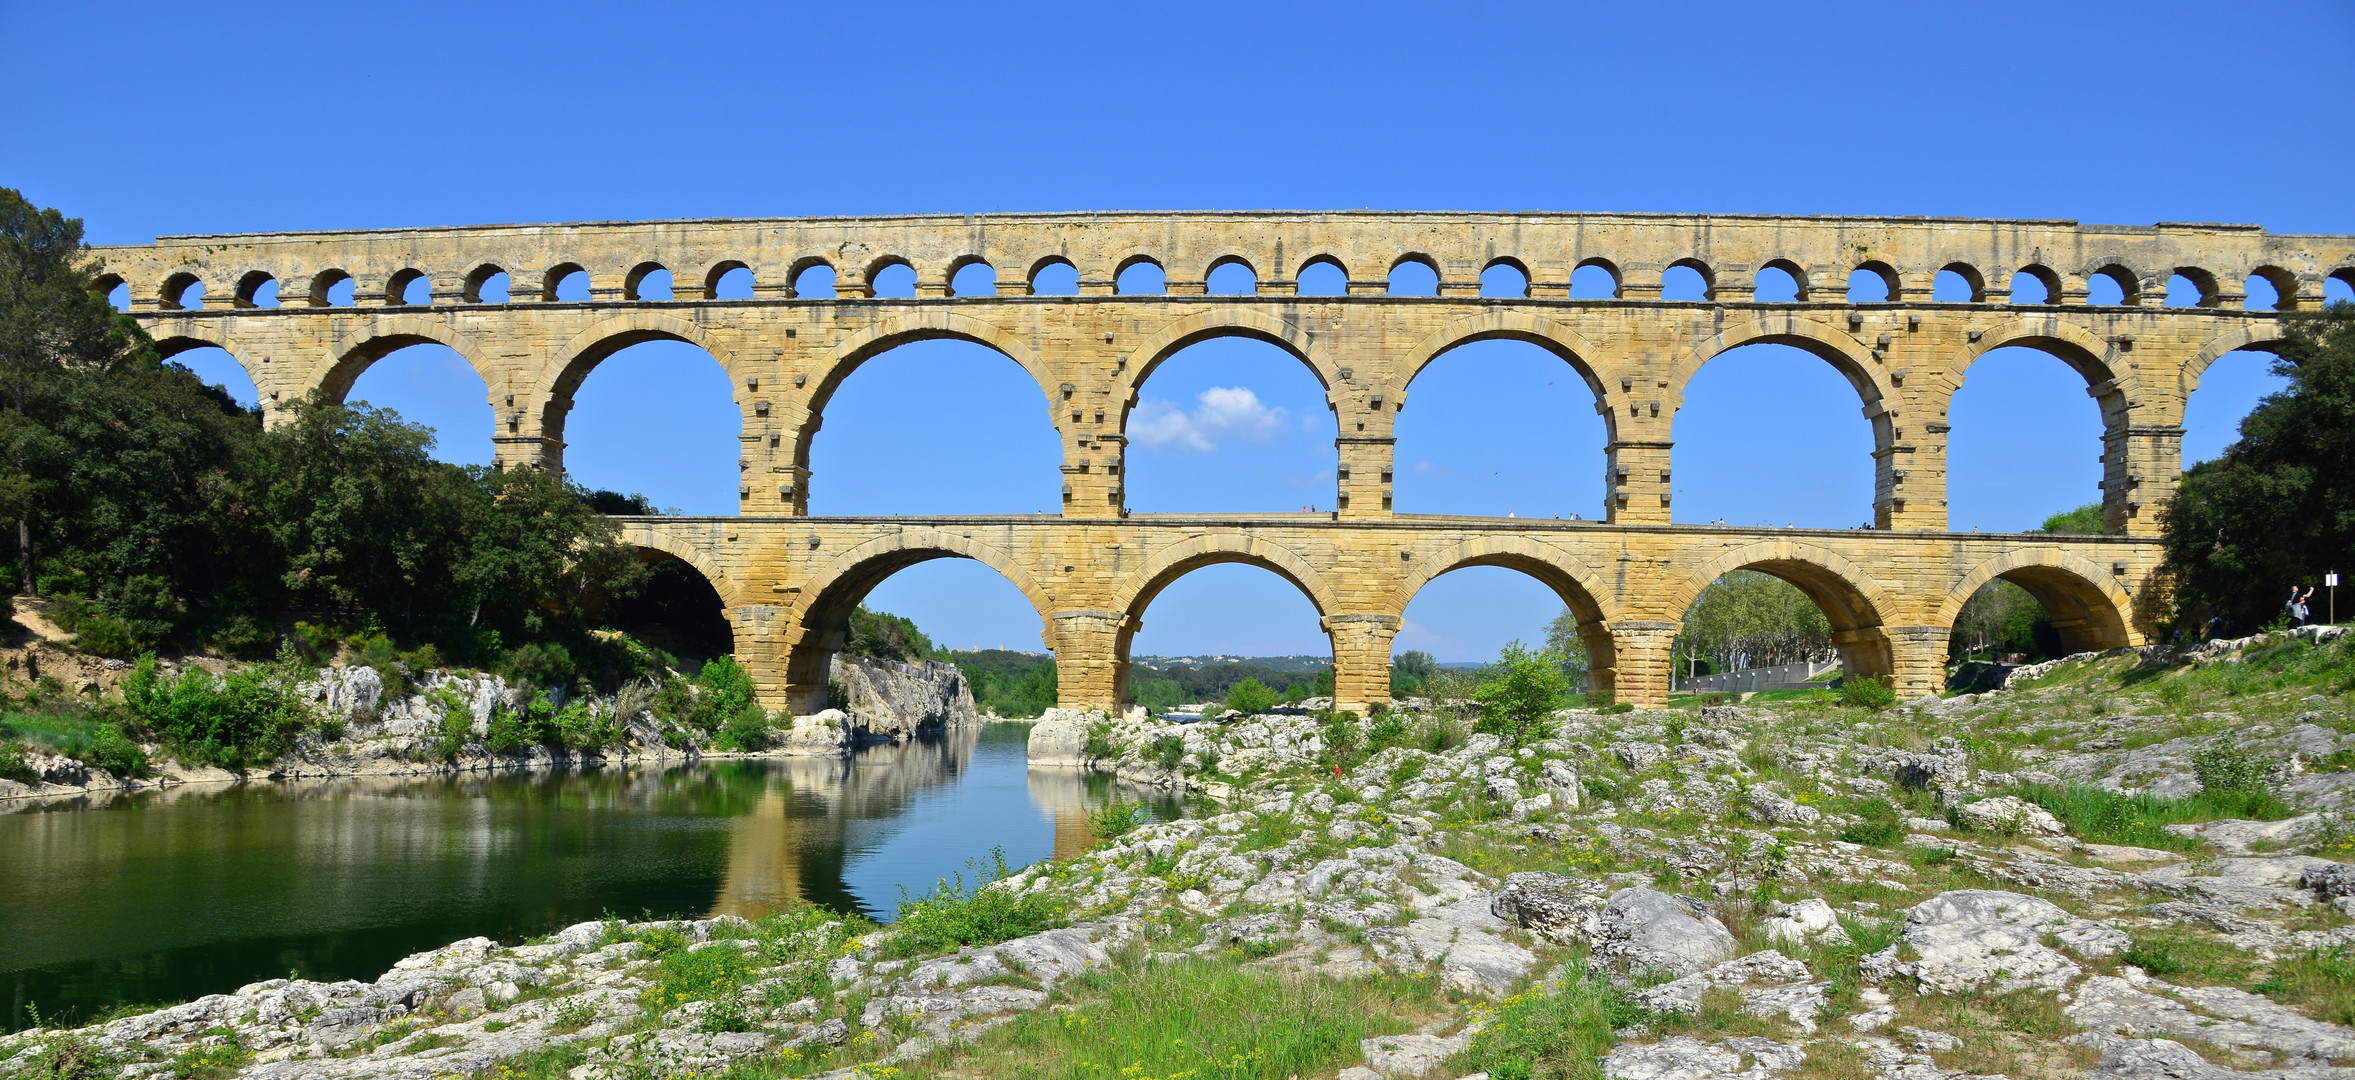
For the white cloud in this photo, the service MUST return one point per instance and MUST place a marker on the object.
(1221, 413)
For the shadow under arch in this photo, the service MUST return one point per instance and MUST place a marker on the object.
(1850, 598)
(2089, 609)
(1138, 591)
(1551, 566)
(817, 626)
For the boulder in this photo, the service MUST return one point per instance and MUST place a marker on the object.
(890, 700)
(1986, 939)
(1682, 1057)
(1551, 906)
(1060, 738)
(2011, 815)
(1640, 928)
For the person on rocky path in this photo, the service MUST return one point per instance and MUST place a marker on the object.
(2297, 606)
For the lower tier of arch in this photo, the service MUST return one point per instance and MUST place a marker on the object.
(789, 583)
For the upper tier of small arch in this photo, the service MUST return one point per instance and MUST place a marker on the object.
(1729, 251)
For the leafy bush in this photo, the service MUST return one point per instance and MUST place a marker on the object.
(1117, 818)
(1882, 826)
(242, 637)
(15, 764)
(951, 914)
(1867, 692)
(1099, 745)
(746, 732)
(1519, 698)
(541, 664)
(2223, 768)
(248, 717)
(1168, 751)
(1250, 696)
(723, 691)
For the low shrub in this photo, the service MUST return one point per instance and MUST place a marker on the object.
(952, 914)
(745, 732)
(1168, 751)
(1874, 692)
(1117, 818)
(248, 717)
(2223, 768)
(1883, 825)
(1250, 696)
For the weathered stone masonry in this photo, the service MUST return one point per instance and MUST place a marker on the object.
(790, 580)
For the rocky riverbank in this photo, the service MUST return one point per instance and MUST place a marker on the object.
(2127, 865)
(441, 723)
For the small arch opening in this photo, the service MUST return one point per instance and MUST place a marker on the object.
(2270, 288)
(1594, 279)
(2113, 286)
(1957, 284)
(1323, 276)
(729, 281)
(1686, 281)
(2339, 288)
(117, 293)
(974, 278)
(409, 287)
(182, 292)
(488, 285)
(892, 280)
(1777, 283)
(1872, 283)
(2191, 287)
(257, 290)
(2035, 285)
(1413, 276)
(332, 288)
(1504, 280)
(647, 281)
(1054, 277)
(814, 282)
(1232, 277)
(1141, 276)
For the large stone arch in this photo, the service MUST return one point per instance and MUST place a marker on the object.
(2089, 607)
(2049, 334)
(814, 623)
(1511, 325)
(674, 539)
(552, 395)
(1851, 598)
(1847, 355)
(2262, 337)
(1589, 599)
(194, 334)
(1222, 321)
(1136, 592)
(383, 335)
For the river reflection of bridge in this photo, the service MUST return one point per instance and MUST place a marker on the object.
(814, 824)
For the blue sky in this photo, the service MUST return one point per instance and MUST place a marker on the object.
(161, 119)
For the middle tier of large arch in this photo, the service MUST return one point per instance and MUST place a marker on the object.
(1085, 353)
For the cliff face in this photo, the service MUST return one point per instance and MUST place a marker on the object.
(890, 700)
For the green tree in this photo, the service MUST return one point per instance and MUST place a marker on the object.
(885, 636)
(2278, 508)
(1250, 696)
(1409, 670)
(1561, 639)
(1520, 694)
(2086, 519)
(1756, 617)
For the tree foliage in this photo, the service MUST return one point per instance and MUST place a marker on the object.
(1748, 619)
(2086, 520)
(1520, 693)
(2002, 618)
(163, 513)
(885, 636)
(2278, 507)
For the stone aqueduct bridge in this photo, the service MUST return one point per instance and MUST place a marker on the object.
(789, 581)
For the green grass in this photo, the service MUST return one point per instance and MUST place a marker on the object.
(1203, 1019)
(953, 914)
(1561, 1034)
(2319, 983)
(2101, 816)
(78, 735)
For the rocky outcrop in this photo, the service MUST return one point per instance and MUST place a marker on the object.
(891, 701)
